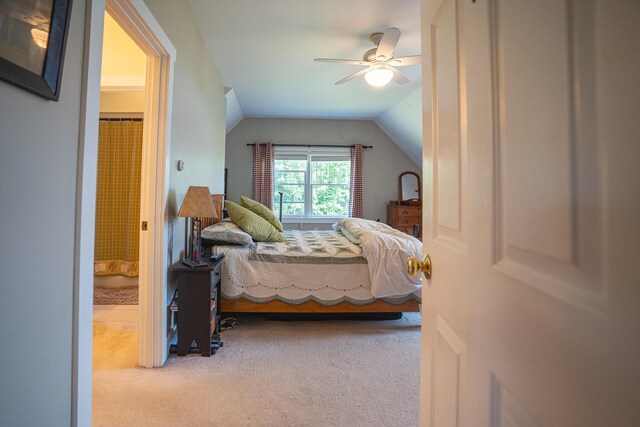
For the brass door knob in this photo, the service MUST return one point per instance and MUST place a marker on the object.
(414, 266)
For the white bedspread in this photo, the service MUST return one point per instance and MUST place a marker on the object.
(386, 251)
(312, 265)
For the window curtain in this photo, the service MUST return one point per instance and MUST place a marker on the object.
(355, 195)
(263, 186)
(118, 198)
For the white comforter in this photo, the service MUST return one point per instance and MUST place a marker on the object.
(386, 250)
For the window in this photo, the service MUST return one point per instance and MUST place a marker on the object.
(315, 183)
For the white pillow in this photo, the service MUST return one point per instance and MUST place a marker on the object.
(349, 236)
(226, 232)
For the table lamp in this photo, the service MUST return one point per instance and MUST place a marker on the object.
(197, 204)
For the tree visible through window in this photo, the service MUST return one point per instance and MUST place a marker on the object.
(314, 184)
(290, 175)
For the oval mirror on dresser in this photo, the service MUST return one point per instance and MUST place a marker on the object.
(410, 188)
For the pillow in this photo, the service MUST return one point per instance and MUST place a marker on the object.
(353, 239)
(262, 210)
(254, 224)
(226, 232)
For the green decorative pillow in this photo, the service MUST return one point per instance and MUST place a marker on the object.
(262, 210)
(258, 227)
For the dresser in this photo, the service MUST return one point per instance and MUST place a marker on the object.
(403, 217)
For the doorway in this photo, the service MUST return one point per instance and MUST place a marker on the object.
(118, 199)
(137, 21)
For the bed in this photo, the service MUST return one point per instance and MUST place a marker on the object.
(321, 272)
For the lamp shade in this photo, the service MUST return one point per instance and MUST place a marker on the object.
(197, 203)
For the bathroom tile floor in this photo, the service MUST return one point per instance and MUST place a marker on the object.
(121, 316)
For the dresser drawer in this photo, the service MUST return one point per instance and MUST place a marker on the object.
(403, 217)
(402, 212)
(405, 229)
(409, 219)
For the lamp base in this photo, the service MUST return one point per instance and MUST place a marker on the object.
(194, 264)
(193, 259)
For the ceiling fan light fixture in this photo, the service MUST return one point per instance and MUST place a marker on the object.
(378, 77)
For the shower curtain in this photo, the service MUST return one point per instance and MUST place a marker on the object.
(118, 198)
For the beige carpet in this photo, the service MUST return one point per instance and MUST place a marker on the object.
(272, 373)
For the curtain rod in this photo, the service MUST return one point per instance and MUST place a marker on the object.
(121, 119)
(314, 145)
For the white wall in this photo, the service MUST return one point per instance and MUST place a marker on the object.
(382, 164)
(38, 166)
(403, 124)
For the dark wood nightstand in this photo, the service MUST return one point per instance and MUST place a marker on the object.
(198, 308)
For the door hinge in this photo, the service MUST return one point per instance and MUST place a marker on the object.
(144, 225)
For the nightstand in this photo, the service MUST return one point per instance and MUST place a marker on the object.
(198, 308)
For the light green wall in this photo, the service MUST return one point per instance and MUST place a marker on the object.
(38, 168)
(122, 102)
(382, 165)
(198, 116)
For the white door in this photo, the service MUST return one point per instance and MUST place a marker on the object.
(532, 213)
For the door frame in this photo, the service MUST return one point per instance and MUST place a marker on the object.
(138, 22)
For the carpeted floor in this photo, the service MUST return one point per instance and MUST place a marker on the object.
(271, 373)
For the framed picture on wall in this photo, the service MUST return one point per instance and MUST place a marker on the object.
(33, 35)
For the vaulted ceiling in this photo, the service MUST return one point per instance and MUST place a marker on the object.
(264, 51)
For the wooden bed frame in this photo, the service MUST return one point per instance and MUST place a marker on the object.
(218, 205)
(245, 306)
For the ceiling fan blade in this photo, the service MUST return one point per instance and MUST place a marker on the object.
(342, 61)
(388, 43)
(353, 76)
(398, 77)
(406, 60)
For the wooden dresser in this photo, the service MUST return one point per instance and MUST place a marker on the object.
(402, 217)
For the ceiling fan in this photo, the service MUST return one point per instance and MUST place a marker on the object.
(379, 61)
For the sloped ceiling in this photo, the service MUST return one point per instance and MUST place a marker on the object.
(234, 112)
(264, 51)
(403, 124)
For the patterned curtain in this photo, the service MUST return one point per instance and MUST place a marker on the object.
(355, 196)
(263, 186)
(118, 198)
